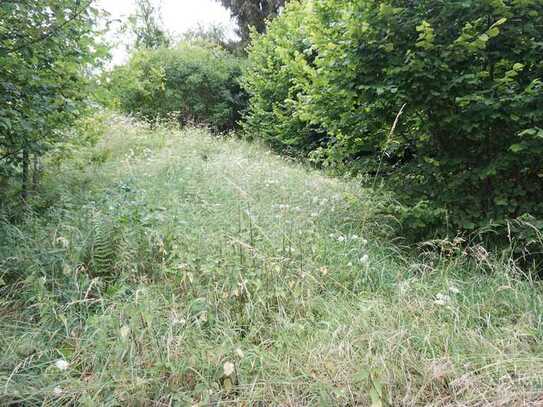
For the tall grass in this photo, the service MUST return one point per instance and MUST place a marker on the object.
(166, 267)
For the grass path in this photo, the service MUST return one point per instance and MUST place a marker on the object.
(175, 268)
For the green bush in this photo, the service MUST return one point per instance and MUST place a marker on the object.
(279, 71)
(470, 139)
(192, 83)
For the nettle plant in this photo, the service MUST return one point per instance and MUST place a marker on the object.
(469, 73)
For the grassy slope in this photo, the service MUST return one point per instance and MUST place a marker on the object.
(226, 254)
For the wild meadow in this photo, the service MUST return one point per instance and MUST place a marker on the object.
(326, 203)
(172, 267)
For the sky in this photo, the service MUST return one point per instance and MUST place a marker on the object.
(178, 16)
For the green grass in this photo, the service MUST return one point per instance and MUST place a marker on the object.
(159, 259)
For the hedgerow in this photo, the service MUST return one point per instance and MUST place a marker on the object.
(469, 139)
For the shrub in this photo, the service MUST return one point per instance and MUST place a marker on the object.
(470, 138)
(193, 83)
(280, 70)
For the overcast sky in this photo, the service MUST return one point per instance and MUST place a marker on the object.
(178, 16)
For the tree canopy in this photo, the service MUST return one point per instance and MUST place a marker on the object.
(47, 50)
(252, 13)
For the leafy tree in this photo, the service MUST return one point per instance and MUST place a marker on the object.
(47, 48)
(252, 13)
(277, 77)
(145, 25)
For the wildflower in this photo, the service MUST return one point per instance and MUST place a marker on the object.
(240, 353)
(228, 369)
(62, 241)
(341, 238)
(365, 259)
(61, 364)
(403, 286)
(125, 331)
(442, 299)
(364, 242)
(453, 289)
(57, 391)
(354, 237)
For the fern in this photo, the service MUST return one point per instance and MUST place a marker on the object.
(104, 245)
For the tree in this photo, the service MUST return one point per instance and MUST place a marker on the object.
(146, 26)
(47, 49)
(252, 13)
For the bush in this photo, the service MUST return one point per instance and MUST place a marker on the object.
(193, 83)
(278, 74)
(470, 138)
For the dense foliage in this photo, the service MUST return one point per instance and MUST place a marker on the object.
(47, 48)
(331, 77)
(191, 83)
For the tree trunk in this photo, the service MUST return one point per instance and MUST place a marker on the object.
(24, 186)
(36, 170)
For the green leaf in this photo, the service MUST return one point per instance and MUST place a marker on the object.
(516, 148)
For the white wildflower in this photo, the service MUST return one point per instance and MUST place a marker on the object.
(403, 286)
(442, 299)
(228, 369)
(365, 259)
(57, 391)
(364, 242)
(240, 353)
(61, 364)
(341, 238)
(354, 237)
(125, 331)
(62, 241)
(453, 289)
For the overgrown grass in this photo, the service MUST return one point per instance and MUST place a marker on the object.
(176, 268)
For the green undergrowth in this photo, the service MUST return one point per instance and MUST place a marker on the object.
(166, 267)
